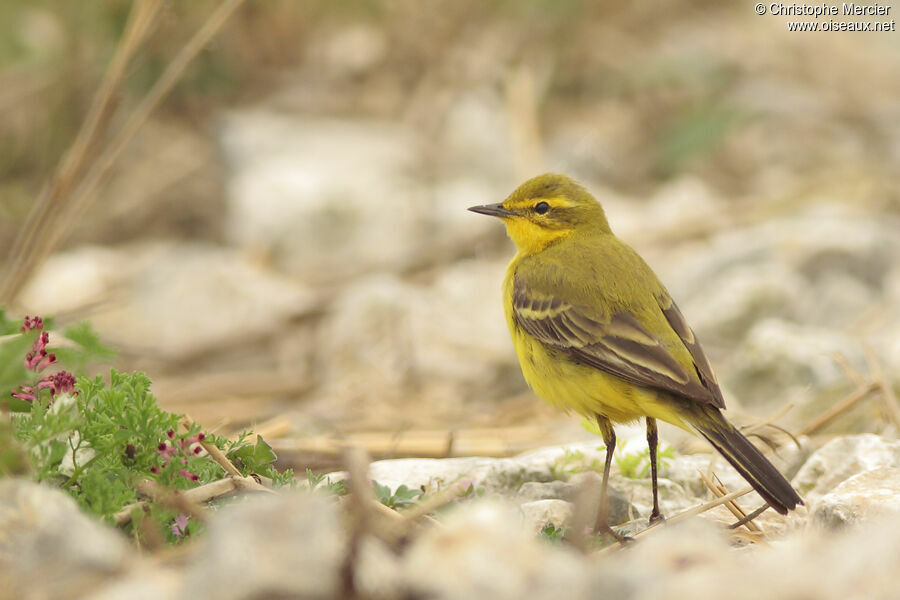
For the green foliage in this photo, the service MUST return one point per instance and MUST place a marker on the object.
(553, 534)
(323, 483)
(87, 348)
(258, 458)
(633, 465)
(8, 326)
(636, 465)
(572, 462)
(13, 459)
(402, 497)
(98, 443)
(473, 492)
(103, 441)
(84, 348)
(13, 347)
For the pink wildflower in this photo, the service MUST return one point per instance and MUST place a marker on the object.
(188, 474)
(32, 323)
(180, 525)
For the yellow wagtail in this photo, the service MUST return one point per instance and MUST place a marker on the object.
(596, 332)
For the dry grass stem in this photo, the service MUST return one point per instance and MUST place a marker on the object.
(750, 516)
(240, 482)
(770, 420)
(524, 126)
(213, 451)
(717, 488)
(497, 442)
(196, 496)
(697, 510)
(434, 502)
(838, 409)
(887, 392)
(584, 512)
(30, 247)
(73, 187)
(851, 373)
(173, 499)
(687, 514)
(367, 514)
(83, 196)
(876, 382)
(362, 513)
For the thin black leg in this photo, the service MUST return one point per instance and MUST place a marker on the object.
(609, 438)
(653, 442)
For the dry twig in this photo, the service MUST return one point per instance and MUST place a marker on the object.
(196, 496)
(244, 483)
(851, 373)
(701, 508)
(717, 488)
(750, 516)
(840, 408)
(876, 382)
(173, 499)
(30, 247)
(83, 196)
(584, 513)
(500, 441)
(435, 502)
(887, 392)
(73, 187)
(682, 516)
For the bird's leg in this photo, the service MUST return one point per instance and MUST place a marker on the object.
(609, 438)
(653, 442)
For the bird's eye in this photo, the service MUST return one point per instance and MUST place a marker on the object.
(541, 208)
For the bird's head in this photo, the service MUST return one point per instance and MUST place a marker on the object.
(545, 209)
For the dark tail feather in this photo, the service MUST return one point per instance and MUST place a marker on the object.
(747, 460)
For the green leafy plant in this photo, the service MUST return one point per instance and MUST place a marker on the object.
(100, 440)
(636, 465)
(85, 348)
(633, 465)
(15, 341)
(257, 458)
(553, 534)
(402, 497)
(324, 483)
(473, 492)
(572, 462)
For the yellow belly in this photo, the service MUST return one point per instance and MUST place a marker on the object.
(588, 391)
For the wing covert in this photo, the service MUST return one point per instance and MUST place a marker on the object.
(620, 345)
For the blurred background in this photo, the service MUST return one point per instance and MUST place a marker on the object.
(284, 243)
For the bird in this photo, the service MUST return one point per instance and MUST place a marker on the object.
(597, 333)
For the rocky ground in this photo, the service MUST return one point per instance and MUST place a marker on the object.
(487, 544)
(303, 263)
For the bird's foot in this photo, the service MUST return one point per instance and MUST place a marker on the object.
(656, 517)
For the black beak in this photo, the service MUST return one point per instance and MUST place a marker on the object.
(493, 210)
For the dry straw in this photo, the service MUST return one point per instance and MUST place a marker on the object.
(88, 162)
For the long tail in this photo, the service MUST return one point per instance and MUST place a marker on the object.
(746, 459)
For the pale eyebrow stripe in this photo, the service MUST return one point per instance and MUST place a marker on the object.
(553, 201)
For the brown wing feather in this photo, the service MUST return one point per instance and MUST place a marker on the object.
(621, 347)
(701, 363)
